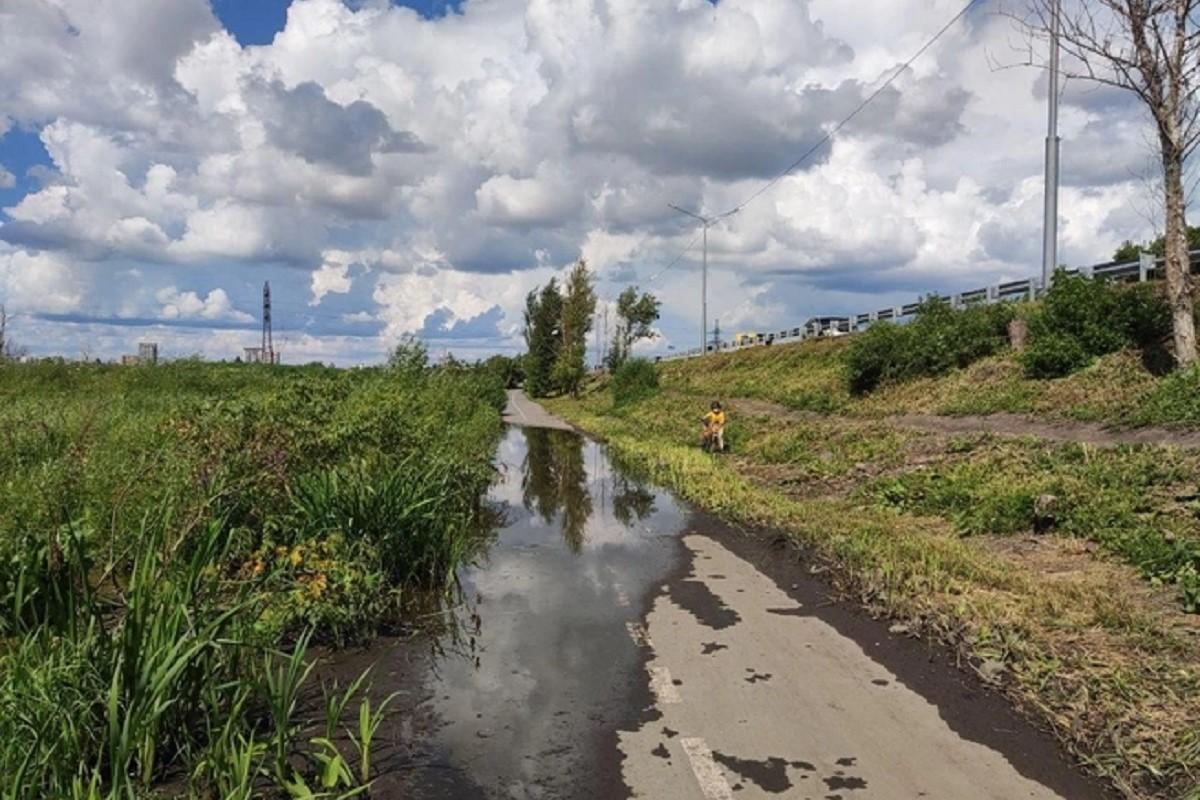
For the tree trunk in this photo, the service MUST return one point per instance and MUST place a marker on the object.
(1179, 265)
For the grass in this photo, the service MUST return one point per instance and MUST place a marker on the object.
(163, 529)
(921, 529)
(1116, 389)
(808, 375)
(1123, 499)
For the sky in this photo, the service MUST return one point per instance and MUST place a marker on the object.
(416, 168)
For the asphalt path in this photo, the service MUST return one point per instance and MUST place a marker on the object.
(624, 644)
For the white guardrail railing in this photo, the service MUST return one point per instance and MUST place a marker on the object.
(1147, 268)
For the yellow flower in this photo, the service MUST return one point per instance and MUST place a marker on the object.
(317, 587)
(295, 557)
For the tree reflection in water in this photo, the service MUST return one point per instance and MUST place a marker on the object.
(555, 480)
(632, 500)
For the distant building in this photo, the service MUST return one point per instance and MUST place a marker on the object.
(148, 353)
(256, 355)
(130, 361)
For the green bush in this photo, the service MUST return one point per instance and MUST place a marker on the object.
(634, 380)
(1081, 318)
(1053, 355)
(938, 340)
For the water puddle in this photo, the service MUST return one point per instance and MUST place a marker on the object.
(524, 698)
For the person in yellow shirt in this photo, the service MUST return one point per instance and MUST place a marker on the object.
(714, 428)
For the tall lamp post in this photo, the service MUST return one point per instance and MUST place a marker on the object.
(706, 223)
(1050, 223)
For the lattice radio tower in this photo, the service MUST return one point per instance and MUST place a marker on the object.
(268, 341)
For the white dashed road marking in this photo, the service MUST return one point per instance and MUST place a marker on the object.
(708, 774)
(664, 690)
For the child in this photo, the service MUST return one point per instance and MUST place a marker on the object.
(714, 428)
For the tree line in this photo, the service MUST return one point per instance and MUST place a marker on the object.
(558, 319)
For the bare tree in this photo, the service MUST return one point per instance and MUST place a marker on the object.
(9, 350)
(1150, 48)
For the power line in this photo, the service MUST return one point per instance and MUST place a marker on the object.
(825, 138)
(650, 281)
(846, 120)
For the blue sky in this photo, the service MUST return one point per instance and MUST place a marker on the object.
(257, 21)
(395, 173)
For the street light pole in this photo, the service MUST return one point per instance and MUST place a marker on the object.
(706, 223)
(704, 295)
(1053, 145)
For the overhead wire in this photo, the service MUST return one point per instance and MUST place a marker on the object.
(828, 136)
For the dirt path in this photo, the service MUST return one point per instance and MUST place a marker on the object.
(524, 413)
(999, 424)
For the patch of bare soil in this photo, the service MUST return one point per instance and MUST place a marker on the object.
(1000, 425)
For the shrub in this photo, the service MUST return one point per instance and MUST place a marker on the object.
(938, 340)
(1053, 355)
(876, 356)
(634, 380)
(1081, 318)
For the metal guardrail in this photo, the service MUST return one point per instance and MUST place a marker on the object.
(1145, 269)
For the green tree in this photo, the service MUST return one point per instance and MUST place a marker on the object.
(410, 355)
(1128, 251)
(578, 309)
(543, 337)
(636, 316)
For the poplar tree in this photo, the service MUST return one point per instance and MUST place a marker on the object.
(578, 311)
(543, 337)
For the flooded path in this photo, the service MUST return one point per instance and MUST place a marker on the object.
(614, 643)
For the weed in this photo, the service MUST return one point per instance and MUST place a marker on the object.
(158, 528)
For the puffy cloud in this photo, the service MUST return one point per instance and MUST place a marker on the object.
(333, 276)
(421, 175)
(189, 305)
(7, 179)
(39, 282)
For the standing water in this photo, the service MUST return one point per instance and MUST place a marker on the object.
(597, 589)
(524, 699)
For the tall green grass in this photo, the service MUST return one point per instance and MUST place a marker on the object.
(162, 530)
